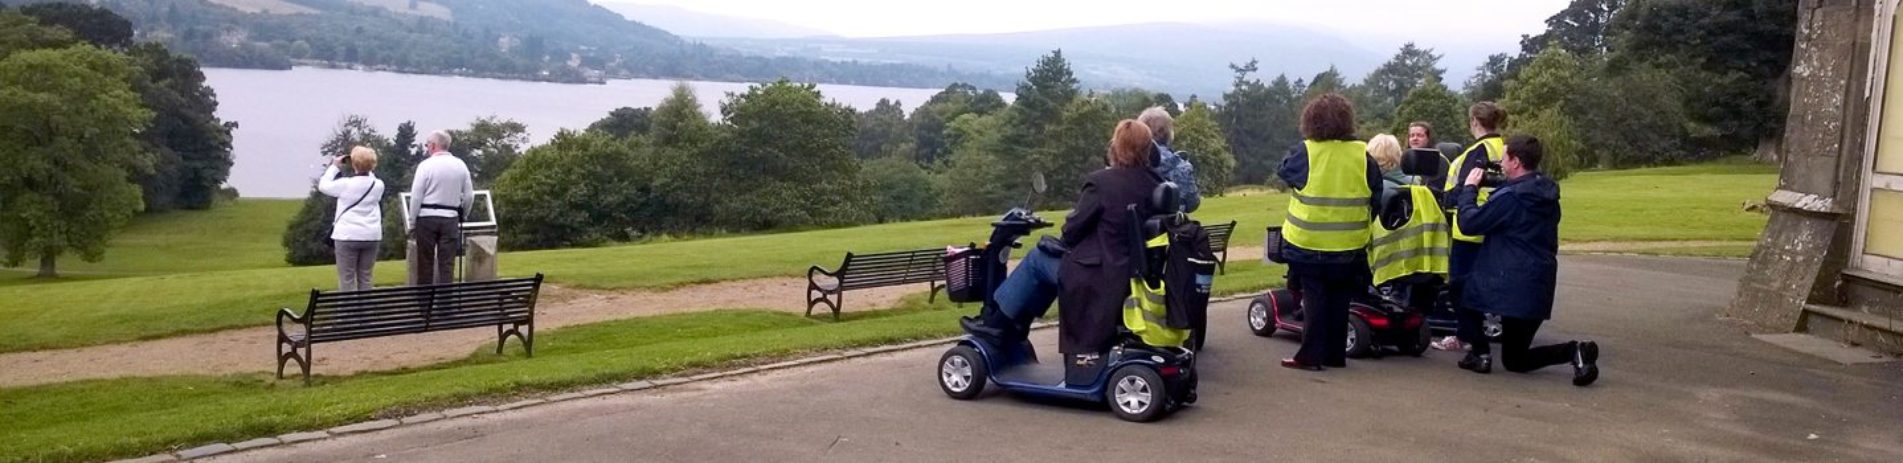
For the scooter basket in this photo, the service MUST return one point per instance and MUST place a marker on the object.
(962, 279)
(1272, 245)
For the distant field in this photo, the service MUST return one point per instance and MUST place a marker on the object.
(423, 8)
(244, 234)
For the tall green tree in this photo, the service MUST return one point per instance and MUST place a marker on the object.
(193, 146)
(1635, 117)
(68, 138)
(1439, 106)
(900, 190)
(1582, 28)
(1259, 121)
(1539, 103)
(1075, 147)
(1199, 138)
(975, 165)
(1489, 81)
(1732, 58)
(679, 122)
(21, 33)
(1329, 81)
(931, 120)
(1047, 89)
(883, 131)
(1384, 88)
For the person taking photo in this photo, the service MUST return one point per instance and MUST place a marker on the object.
(1515, 270)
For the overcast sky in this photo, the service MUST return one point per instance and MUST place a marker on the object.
(1489, 24)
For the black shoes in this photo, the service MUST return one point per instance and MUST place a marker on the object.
(975, 326)
(1585, 363)
(1477, 363)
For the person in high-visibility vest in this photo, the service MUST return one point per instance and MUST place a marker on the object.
(1327, 228)
(1484, 120)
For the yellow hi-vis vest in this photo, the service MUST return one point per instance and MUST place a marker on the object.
(1418, 247)
(1145, 313)
(1331, 213)
(1496, 150)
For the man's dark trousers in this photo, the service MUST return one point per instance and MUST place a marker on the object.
(436, 244)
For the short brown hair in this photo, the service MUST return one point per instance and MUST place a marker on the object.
(1490, 115)
(1329, 117)
(1130, 145)
(363, 159)
(1424, 126)
(1527, 150)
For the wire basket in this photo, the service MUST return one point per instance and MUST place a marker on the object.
(1272, 244)
(963, 282)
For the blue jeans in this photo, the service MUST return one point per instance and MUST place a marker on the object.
(1029, 291)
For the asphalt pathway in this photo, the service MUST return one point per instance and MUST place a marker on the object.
(1678, 385)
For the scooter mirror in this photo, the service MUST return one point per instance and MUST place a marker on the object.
(1037, 182)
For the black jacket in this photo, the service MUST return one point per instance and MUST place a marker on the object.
(1518, 266)
(1096, 272)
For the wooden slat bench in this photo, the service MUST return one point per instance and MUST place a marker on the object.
(862, 271)
(508, 305)
(1219, 243)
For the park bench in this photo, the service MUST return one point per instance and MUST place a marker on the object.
(508, 305)
(863, 271)
(1219, 243)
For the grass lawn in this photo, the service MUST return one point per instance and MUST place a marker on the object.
(1673, 203)
(104, 419)
(243, 234)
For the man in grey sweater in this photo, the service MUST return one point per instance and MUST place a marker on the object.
(439, 196)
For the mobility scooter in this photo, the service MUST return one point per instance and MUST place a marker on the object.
(1140, 381)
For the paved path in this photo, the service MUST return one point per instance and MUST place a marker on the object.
(1679, 385)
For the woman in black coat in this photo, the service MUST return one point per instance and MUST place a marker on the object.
(1096, 270)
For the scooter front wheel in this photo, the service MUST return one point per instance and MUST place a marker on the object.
(962, 373)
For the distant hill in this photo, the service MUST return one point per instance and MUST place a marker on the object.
(554, 40)
(1173, 57)
(690, 23)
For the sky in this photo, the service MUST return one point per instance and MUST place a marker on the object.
(1371, 23)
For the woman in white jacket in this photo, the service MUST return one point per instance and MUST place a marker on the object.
(357, 228)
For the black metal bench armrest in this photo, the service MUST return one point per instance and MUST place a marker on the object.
(285, 313)
(816, 270)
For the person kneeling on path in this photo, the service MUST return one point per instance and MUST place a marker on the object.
(1516, 268)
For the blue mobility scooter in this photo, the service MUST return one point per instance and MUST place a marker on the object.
(1140, 380)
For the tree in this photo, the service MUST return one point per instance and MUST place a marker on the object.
(1384, 88)
(1329, 81)
(192, 144)
(1732, 58)
(95, 25)
(397, 162)
(582, 188)
(1259, 121)
(1439, 106)
(1047, 89)
(21, 33)
(786, 162)
(306, 235)
(1632, 118)
(1074, 147)
(1489, 81)
(68, 134)
(1538, 104)
(1582, 28)
(975, 165)
(490, 145)
(900, 189)
(1127, 102)
(883, 131)
(930, 120)
(678, 121)
(625, 122)
(1199, 138)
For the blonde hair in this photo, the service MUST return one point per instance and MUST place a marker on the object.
(1130, 145)
(1386, 151)
(1162, 126)
(363, 159)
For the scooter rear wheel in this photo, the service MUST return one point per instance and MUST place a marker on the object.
(1137, 394)
(962, 373)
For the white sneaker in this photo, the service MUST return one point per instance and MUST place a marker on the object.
(1449, 343)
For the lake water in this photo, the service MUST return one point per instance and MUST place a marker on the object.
(284, 115)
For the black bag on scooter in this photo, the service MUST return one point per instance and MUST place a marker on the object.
(1190, 273)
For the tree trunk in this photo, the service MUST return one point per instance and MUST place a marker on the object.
(1770, 148)
(46, 267)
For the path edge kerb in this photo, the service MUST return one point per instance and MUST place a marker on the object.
(227, 448)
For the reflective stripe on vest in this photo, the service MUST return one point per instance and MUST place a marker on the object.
(1331, 212)
(1496, 150)
(1421, 246)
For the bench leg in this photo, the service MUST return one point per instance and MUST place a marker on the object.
(1222, 264)
(932, 298)
(522, 331)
